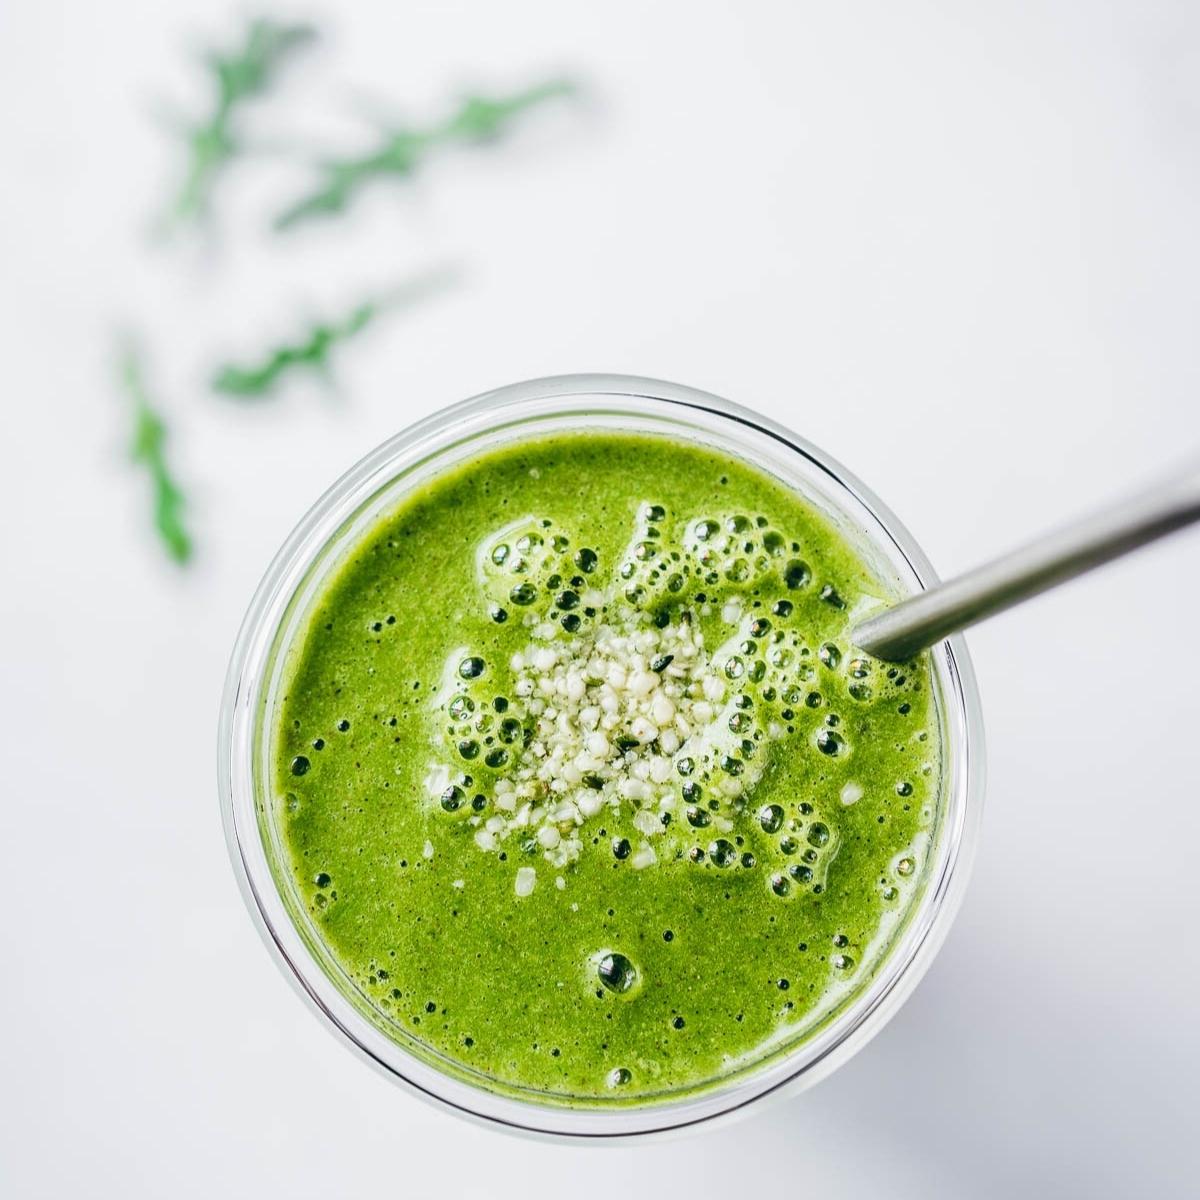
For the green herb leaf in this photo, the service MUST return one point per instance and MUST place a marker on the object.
(478, 119)
(148, 449)
(312, 351)
(315, 348)
(237, 77)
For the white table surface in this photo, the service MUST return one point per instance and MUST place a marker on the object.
(953, 243)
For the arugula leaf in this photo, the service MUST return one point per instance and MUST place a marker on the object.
(315, 347)
(148, 449)
(312, 351)
(237, 77)
(402, 151)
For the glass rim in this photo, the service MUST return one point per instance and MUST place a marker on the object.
(901, 964)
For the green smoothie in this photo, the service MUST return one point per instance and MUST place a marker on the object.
(581, 781)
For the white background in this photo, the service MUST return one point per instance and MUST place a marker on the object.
(953, 243)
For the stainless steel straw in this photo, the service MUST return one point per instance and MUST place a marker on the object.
(918, 622)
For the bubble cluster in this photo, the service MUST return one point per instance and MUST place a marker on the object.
(667, 557)
(619, 709)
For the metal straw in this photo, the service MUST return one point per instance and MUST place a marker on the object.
(918, 622)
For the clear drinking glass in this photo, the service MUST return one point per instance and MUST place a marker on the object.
(377, 485)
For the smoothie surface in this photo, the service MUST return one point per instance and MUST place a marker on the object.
(581, 781)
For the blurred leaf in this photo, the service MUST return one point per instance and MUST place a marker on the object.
(237, 77)
(147, 448)
(315, 348)
(312, 351)
(402, 151)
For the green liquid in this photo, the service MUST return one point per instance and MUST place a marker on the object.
(796, 818)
